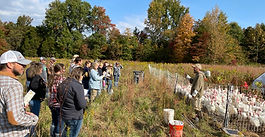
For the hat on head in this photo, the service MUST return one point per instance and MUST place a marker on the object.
(42, 58)
(199, 66)
(53, 58)
(13, 56)
(75, 56)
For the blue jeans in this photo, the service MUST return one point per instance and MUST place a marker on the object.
(109, 86)
(116, 80)
(35, 109)
(55, 127)
(88, 93)
(74, 125)
(35, 106)
(105, 80)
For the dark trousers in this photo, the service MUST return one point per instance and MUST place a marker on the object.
(55, 127)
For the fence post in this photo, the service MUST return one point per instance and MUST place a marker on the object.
(226, 120)
(149, 67)
(175, 89)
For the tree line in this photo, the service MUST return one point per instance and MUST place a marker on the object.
(170, 35)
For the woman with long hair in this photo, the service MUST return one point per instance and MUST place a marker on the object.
(72, 101)
(55, 79)
(38, 85)
(109, 77)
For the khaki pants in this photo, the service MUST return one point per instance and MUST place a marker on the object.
(197, 103)
(94, 93)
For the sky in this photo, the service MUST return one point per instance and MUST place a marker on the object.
(132, 13)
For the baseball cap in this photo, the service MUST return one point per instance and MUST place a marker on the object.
(42, 58)
(53, 58)
(75, 56)
(13, 56)
(199, 66)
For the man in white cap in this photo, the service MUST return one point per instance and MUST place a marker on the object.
(77, 63)
(15, 121)
(197, 89)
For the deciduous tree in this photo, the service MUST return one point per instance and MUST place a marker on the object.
(95, 44)
(221, 47)
(163, 17)
(30, 43)
(101, 23)
(183, 39)
(4, 46)
(65, 22)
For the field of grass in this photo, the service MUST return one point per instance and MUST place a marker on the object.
(220, 74)
(137, 110)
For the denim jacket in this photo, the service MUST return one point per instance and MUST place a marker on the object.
(95, 79)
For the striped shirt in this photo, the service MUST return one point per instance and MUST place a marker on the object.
(14, 122)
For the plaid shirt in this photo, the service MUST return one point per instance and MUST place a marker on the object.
(14, 122)
(58, 79)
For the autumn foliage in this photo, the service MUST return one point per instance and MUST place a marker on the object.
(182, 41)
(170, 35)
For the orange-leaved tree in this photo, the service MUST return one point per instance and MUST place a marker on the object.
(3, 44)
(183, 39)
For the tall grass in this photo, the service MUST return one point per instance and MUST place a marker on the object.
(135, 109)
(220, 74)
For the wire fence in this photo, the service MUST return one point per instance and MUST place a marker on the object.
(225, 103)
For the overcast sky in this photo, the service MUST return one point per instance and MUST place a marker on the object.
(132, 13)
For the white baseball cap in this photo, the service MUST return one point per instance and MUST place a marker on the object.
(53, 58)
(13, 56)
(75, 56)
(42, 58)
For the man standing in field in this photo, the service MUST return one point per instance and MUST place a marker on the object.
(77, 63)
(14, 120)
(44, 73)
(51, 66)
(197, 89)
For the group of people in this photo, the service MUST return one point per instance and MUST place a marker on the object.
(66, 93)
(97, 76)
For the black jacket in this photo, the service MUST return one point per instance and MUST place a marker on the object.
(72, 99)
(38, 85)
(100, 72)
(85, 80)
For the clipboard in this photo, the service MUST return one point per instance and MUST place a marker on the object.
(28, 97)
